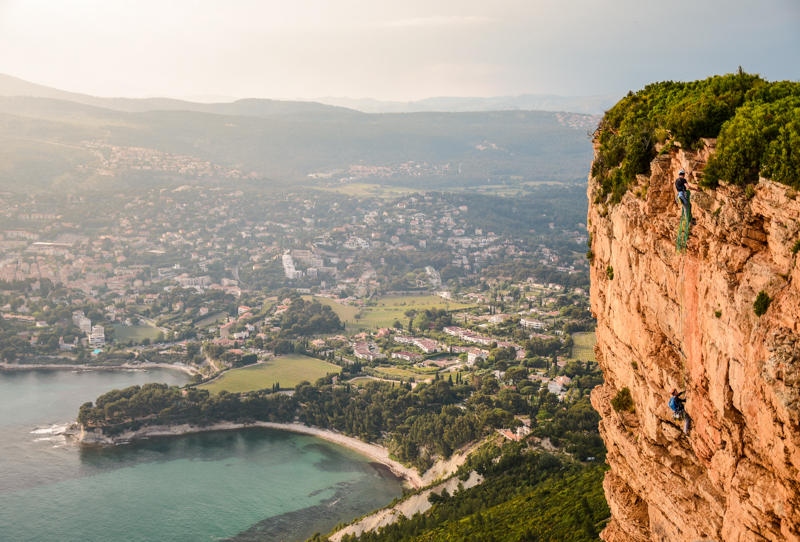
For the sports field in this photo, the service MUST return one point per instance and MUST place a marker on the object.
(583, 349)
(136, 333)
(288, 371)
(393, 308)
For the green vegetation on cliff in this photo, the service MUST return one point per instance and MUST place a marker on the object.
(757, 124)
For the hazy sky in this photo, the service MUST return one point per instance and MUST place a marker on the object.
(390, 50)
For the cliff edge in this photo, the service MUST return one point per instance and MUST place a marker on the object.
(686, 320)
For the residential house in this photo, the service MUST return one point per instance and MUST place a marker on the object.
(406, 356)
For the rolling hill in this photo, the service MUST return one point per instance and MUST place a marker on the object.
(58, 140)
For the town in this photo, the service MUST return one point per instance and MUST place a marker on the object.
(409, 289)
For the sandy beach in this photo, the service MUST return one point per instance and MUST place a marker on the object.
(372, 451)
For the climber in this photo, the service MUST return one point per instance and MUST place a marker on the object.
(676, 404)
(682, 187)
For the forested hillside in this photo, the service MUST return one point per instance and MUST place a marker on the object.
(527, 496)
(45, 146)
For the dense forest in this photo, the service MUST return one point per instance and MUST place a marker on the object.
(757, 124)
(304, 318)
(152, 403)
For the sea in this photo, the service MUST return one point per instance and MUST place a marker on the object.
(241, 485)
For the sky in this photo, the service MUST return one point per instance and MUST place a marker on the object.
(390, 50)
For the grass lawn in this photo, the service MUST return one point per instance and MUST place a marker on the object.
(583, 349)
(211, 319)
(287, 370)
(393, 308)
(347, 313)
(135, 333)
(394, 371)
(368, 189)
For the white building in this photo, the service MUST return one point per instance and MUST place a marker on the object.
(530, 323)
(554, 387)
(289, 269)
(85, 324)
(194, 281)
(476, 355)
(76, 316)
(97, 338)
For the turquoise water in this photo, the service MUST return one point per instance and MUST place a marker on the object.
(243, 485)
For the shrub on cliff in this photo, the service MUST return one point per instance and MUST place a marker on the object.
(762, 139)
(623, 401)
(762, 303)
(757, 124)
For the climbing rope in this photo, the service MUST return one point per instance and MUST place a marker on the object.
(680, 350)
(680, 244)
(685, 225)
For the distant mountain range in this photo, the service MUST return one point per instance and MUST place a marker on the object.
(251, 107)
(591, 105)
(52, 139)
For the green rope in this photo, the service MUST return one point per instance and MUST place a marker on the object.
(681, 241)
(683, 356)
(686, 223)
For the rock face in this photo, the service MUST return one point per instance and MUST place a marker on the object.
(686, 320)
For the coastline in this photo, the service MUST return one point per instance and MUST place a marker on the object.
(124, 367)
(372, 451)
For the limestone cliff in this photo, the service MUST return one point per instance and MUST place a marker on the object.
(669, 319)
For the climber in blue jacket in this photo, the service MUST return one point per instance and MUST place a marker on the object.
(676, 404)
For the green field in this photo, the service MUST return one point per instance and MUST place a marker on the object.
(394, 371)
(211, 319)
(393, 308)
(347, 313)
(360, 381)
(369, 189)
(135, 333)
(287, 370)
(583, 349)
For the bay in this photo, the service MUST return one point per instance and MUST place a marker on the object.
(244, 485)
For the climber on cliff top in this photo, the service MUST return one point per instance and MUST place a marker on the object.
(682, 187)
(676, 404)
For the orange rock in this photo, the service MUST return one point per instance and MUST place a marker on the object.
(687, 320)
